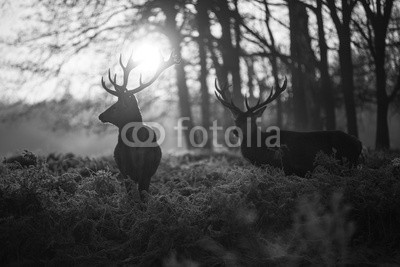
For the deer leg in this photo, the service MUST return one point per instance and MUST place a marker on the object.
(125, 179)
(129, 186)
(144, 185)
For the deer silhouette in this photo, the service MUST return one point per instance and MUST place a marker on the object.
(137, 158)
(297, 150)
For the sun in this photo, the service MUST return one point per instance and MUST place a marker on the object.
(148, 56)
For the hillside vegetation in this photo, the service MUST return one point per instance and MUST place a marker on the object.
(203, 210)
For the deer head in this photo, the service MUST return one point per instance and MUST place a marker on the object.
(240, 117)
(126, 109)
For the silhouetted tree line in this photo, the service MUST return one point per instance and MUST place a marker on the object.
(334, 50)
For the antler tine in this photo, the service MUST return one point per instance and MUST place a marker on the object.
(271, 93)
(140, 79)
(223, 91)
(258, 102)
(126, 69)
(283, 87)
(217, 88)
(271, 97)
(222, 97)
(172, 60)
(113, 81)
(225, 103)
(108, 89)
(246, 102)
(219, 98)
(130, 65)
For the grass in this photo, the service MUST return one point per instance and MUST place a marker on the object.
(202, 210)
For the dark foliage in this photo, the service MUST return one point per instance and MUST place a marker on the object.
(212, 210)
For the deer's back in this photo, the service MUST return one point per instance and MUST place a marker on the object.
(297, 150)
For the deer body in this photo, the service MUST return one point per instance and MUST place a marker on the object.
(138, 163)
(137, 153)
(296, 151)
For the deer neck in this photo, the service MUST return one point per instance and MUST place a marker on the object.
(132, 115)
(125, 132)
(255, 135)
(248, 129)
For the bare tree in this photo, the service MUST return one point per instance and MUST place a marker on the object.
(378, 17)
(171, 10)
(203, 26)
(228, 50)
(345, 57)
(274, 63)
(67, 28)
(267, 43)
(326, 85)
(306, 107)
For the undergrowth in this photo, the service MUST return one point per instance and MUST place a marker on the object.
(202, 210)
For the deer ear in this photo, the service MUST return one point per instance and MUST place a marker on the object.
(259, 112)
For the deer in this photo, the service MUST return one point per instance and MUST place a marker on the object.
(296, 151)
(137, 159)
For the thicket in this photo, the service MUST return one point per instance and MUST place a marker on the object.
(202, 210)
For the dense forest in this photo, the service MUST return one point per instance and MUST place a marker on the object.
(325, 74)
(341, 57)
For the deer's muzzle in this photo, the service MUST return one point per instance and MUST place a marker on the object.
(101, 117)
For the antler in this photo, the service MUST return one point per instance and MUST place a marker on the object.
(272, 96)
(222, 97)
(172, 60)
(119, 89)
(130, 65)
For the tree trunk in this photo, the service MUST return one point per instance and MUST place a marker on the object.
(230, 54)
(326, 86)
(223, 114)
(184, 102)
(274, 63)
(305, 96)
(382, 127)
(230, 58)
(346, 73)
(250, 78)
(379, 17)
(346, 62)
(236, 78)
(183, 93)
(203, 24)
(299, 97)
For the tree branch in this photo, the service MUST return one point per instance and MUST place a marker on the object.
(368, 38)
(332, 8)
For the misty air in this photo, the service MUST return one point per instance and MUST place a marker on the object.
(200, 133)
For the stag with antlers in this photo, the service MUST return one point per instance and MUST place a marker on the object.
(136, 162)
(297, 150)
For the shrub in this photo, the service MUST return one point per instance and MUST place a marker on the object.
(208, 209)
